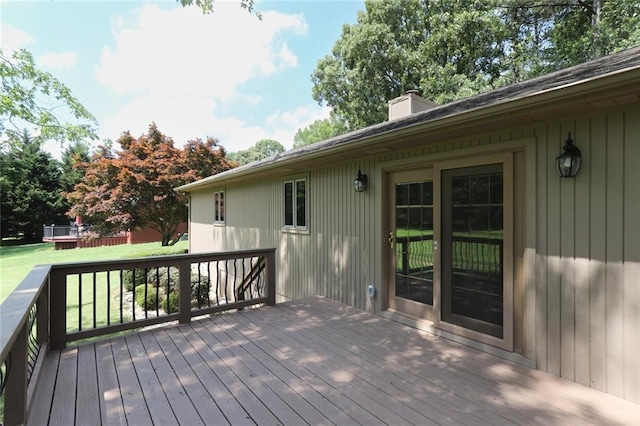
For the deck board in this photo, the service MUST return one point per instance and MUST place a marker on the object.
(40, 411)
(110, 398)
(313, 361)
(87, 412)
(159, 407)
(414, 376)
(64, 394)
(169, 377)
(261, 381)
(133, 401)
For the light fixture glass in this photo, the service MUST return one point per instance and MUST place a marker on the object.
(360, 182)
(568, 163)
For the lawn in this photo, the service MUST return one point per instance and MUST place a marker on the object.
(17, 261)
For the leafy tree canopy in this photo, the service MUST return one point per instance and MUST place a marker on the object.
(264, 148)
(133, 188)
(451, 49)
(30, 188)
(31, 97)
(318, 131)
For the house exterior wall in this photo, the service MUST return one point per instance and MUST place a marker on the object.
(579, 307)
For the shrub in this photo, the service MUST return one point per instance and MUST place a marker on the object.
(199, 293)
(163, 278)
(152, 299)
(128, 278)
(171, 304)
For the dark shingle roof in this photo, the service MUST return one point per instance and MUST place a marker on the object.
(619, 62)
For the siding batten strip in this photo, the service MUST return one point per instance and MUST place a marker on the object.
(541, 319)
(554, 326)
(597, 163)
(614, 243)
(566, 272)
(631, 249)
(581, 262)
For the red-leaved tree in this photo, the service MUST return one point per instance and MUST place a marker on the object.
(134, 188)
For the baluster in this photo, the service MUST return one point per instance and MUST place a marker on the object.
(121, 297)
(95, 302)
(185, 291)
(108, 298)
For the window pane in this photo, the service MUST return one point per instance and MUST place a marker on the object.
(427, 193)
(221, 207)
(496, 189)
(414, 194)
(216, 207)
(479, 189)
(402, 194)
(414, 242)
(460, 190)
(301, 203)
(288, 203)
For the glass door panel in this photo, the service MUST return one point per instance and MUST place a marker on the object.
(472, 248)
(414, 241)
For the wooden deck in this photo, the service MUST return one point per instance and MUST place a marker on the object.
(312, 361)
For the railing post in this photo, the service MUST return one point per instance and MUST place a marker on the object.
(271, 277)
(185, 292)
(15, 396)
(58, 309)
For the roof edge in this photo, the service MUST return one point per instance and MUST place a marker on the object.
(474, 108)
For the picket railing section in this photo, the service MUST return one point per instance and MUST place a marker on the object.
(57, 304)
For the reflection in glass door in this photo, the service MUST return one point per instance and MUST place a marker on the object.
(472, 248)
(414, 241)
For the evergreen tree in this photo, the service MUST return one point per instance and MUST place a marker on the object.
(30, 189)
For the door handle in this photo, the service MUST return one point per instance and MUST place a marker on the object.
(392, 239)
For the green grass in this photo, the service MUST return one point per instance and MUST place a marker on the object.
(17, 261)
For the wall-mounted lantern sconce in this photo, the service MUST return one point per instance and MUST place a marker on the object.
(568, 163)
(360, 182)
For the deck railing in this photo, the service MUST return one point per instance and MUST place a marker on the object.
(57, 231)
(57, 304)
(479, 254)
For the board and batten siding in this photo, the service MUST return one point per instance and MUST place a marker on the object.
(588, 254)
(582, 296)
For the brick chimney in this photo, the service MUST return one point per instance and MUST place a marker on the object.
(408, 104)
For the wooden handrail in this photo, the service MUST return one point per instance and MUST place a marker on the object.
(45, 289)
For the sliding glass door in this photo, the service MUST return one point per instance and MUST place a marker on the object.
(450, 253)
(472, 248)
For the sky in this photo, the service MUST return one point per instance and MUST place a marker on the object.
(227, 75)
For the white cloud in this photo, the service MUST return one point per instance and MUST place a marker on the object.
(13, 38)
(61, 61)
(181, 51)
(180, 66)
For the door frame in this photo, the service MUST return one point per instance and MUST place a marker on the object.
(523, 274)
(506, 159)
(410, 307)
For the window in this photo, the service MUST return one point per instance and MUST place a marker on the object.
(295, 204)
(218, 207)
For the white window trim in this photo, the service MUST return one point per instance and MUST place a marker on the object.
(216, 208)
(295, 228)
